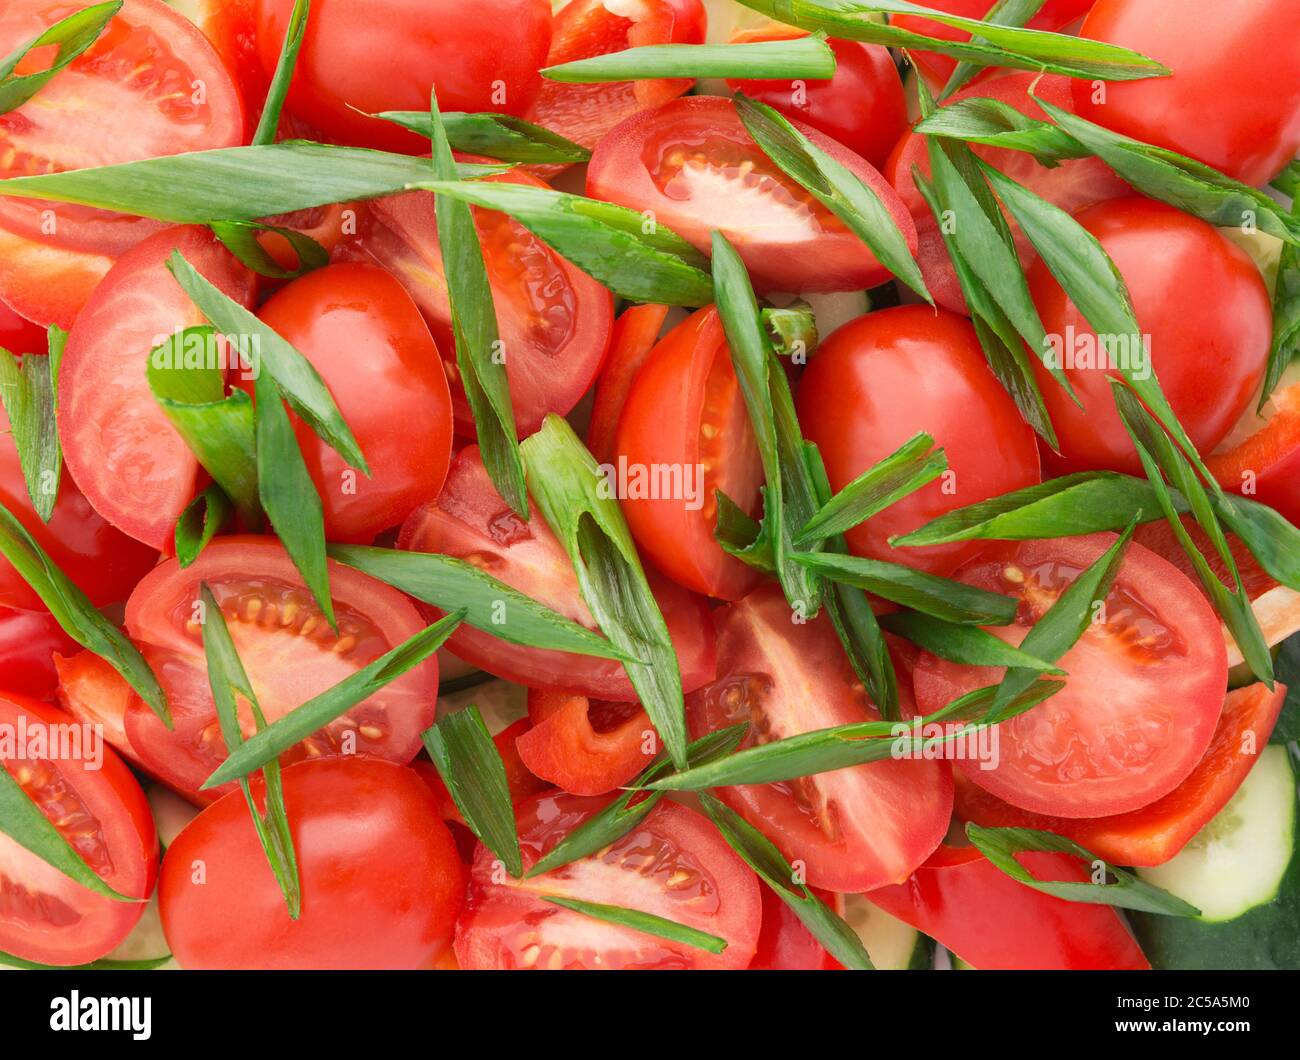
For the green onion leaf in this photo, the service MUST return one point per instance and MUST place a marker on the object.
(1286, 316)
(470, 765)
(1002, 13)
(1271, 538)
(639, 921)
(29, 390)
(805, 58)
(1000, 846)
(204, 517)
(72, 36)
(269, 123)
(500, 136)
(968, 645)
(319, 711)
(743, 537)
(576, 502)
(981, 120)
(791, 329)
(240, 238)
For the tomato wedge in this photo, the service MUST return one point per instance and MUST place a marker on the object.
(1265, 465)
(635, 333)
(585, 746)
(853, 829)
(95, 803)
(92, 691)
(1142, 698)
(150, 85)
(674, 864)
(469, 520)
(288, 650)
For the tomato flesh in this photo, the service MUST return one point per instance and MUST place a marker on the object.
(585, 746)
(634, 335)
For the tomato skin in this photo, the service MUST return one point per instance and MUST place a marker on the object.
(803, 247)
(1247, 128)
(1268, 461)
(1155, 833)
(118, 444)
(1143, 698)
(784, 944)
(685, 410)
(564, 745)
(19, 335)
(481, 60)
(61, 922)
(879, 380)
(343, 813)
(1015, 927)
(469, 520)
(862, 106)
(1204, 305)
(634, 335)
(363, 334)
(29, 641)
(507, 926)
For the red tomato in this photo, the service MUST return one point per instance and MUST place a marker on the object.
(229, 27)
(1155, 833)
(28, 643)
(554, 319)
(523, 784)
(1072, 185)
(586, 28)
(479, 58)
(1247, 127)
(634, 336)
(93, 692)
(103, 562)
(785, 944)
(19, 335)
(1266, 465)
(150, 85)
(1204, 309)
(469, 520)
(381, 882)
(694, 168)
(861, 107)
(585, 746)
(1143, 695)
(993, 922)
(366, 338)
(118, 444)
(683, 436)
(288, 650)
(97, 806)
(879, 380)
(853, 829)
(674, 864)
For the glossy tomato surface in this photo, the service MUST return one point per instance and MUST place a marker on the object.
(222, 908)
(692, 165)
(585, 746)
(29, 641)
(363, 334)
(674, 864)
(1143, 693)
(635, 334)
(853, 829)
(95, 803)
(288, 650)
(881, 379)
(150, 85)
(19, 335)
(785, 944)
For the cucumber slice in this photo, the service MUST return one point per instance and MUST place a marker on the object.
(1243, 872)
(891, 944)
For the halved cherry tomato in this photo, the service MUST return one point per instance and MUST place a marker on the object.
(93, 692)
(785, 944)
(523, 783)
(469, 520)
(1265, 465)
(369, 844)
(366, 338)
(554, 319)
(229, 27)
(118, 444)
(1142, 698)
(878, 381)
(95, 803)
(28, 643)
(1205, 315)
(150, 85)
(861, 107)
(634, 336)
(288, 650)
(853, 829)
(483, 57)
(19, 335)
(585, 746)
(993, 922)
(1247, 127)
(683, 436)
(586, 28)
(693, 167)
(674, 864)
(1155, 833)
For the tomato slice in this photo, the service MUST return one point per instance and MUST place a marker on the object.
(469, 520)
(118, 444)
(28, 643)
(1143, 695)
(585, 746)
(523, 783)
(993, 922)
(93, 692)
(19, 335)
(587, 28)
(1155, 833)
(554, 319)
(288, 650)
(1265, 465)
(674, 864)
(784, 944)
(853, 829)
(95, 803)
(150, 85)
(693, 167)
(633, 337)
(685, 416)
